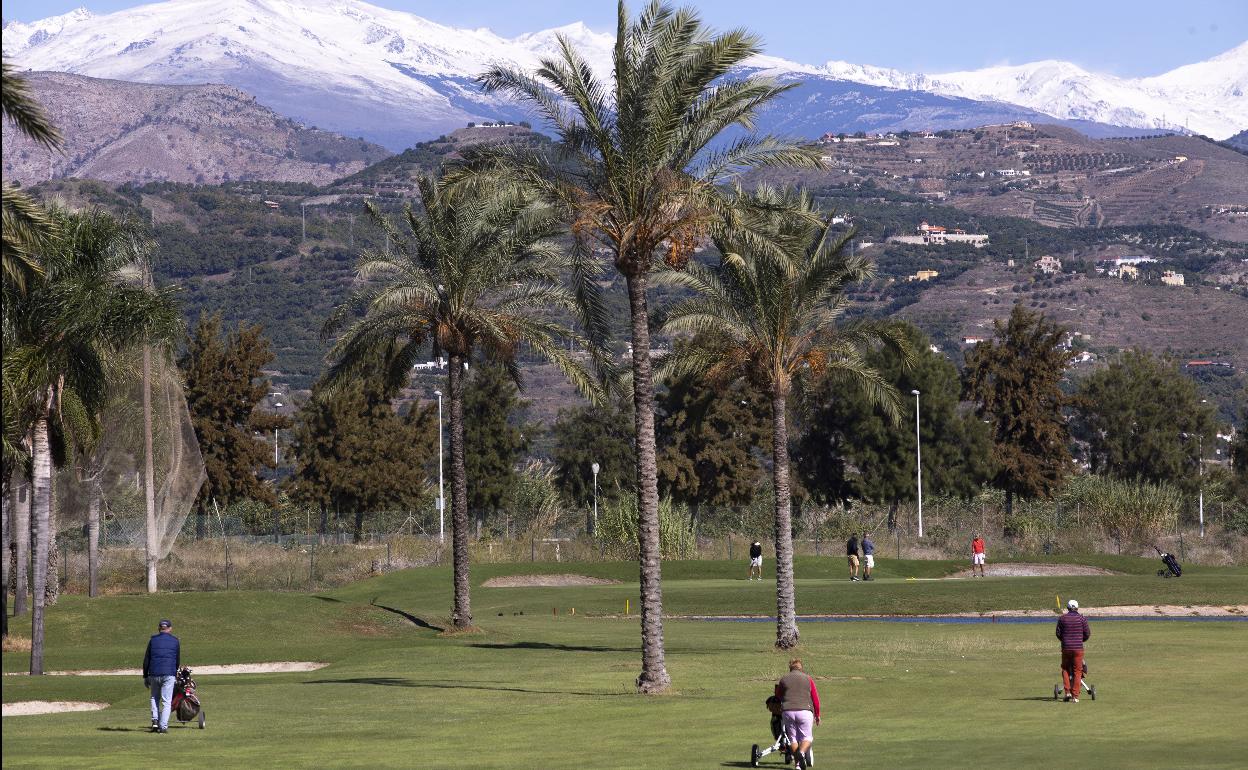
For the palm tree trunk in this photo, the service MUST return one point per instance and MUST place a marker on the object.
(5, 531)
(93, 539)
(461, 616)
(41, 505)
(653, 677)
(52, 580)
(21, 539)
(786, 612)
(149, 473)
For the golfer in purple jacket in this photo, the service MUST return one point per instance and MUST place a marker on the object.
(1073, 630)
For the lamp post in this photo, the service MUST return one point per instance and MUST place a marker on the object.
(593, 524)
(918, 459)
(441, 498)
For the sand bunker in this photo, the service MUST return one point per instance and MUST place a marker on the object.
(1037, 570)
(545, 581)
(29, 707)
(281, 667)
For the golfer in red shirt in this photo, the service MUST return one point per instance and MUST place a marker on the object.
(977, 555)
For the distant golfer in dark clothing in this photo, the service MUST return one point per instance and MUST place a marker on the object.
(799, 704)
(851, 555)
(756, 560)
(1073, 631)
(160, 669)
(868, 557)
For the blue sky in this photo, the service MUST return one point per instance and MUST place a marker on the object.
(1130, 39)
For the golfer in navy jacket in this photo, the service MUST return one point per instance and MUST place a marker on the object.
(160, 669)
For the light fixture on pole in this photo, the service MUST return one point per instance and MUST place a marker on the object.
(593, 524)
(441, 498)
(918, 459)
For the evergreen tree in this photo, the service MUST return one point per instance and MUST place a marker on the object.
(1015, 382)
(224, 385)
(355, 454)
(493, 439)
(586, 435)
(851, 449)
(1141, 418)
(707, 438)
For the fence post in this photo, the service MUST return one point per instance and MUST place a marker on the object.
(816, 542)
(533, 550)
(388, 561)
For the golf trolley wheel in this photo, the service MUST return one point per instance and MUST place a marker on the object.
(755, 755)
(203, 720)
(1092, 693)
(1057, 692)
(810, 757)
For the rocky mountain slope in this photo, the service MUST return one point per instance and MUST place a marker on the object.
(394, 77)
(138, 132)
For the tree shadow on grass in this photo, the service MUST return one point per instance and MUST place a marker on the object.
(549, 646)
(1048, 698)
(124, 729)
(409, 617)
(390, 681)
(328, 599)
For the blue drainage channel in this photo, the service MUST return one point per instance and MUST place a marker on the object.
(977, 619)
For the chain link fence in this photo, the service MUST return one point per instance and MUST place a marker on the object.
(231, 553)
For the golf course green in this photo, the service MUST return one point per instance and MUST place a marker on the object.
(540, 687)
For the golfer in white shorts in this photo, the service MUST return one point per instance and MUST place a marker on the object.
(756, 560)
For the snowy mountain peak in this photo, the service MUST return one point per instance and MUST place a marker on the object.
(311, 58)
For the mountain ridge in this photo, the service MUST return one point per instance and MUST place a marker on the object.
(395, 77)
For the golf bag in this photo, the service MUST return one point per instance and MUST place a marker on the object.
(186, 705)
(1173, 568)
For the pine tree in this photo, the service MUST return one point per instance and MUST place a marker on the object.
(493, 437)
(587, 435)
(1144, 420)
(851, 450)
(224, 385)
(1015, 382)
(707, 438)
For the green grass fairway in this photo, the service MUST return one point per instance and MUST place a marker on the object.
(535, 690)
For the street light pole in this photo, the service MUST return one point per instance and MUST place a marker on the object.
(593, 526)
(918, 459)
(1200, 475)
(441, 497)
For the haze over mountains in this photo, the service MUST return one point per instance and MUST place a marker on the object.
(394, 78)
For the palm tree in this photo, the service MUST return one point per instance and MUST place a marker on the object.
(637, 169)
(25, 223)
(771, 312)
(64, 329)
(478, 276)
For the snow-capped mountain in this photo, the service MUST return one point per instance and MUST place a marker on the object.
(395, 77)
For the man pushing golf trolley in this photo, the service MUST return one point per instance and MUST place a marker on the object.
(794, 712)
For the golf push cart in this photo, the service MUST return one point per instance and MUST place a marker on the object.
(1173, 569)
(1058, 690)
(781, 740)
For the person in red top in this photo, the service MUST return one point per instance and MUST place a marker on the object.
(799, 710)
(977, 555)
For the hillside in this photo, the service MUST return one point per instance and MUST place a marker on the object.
(136, 132)
(1191, 322)
(1050, 174)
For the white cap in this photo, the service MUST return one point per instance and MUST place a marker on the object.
(1072, 605)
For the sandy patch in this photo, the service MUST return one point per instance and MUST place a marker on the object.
(282, 667)
(546, 581)
(29, 707)
(1037, 570)
(1136, 610)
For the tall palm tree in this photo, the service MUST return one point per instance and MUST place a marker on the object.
(638, 167)
(769, 312)
(25, 223)
(81, 311)
(479, 274)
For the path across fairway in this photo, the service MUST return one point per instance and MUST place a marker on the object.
(1019, 619)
